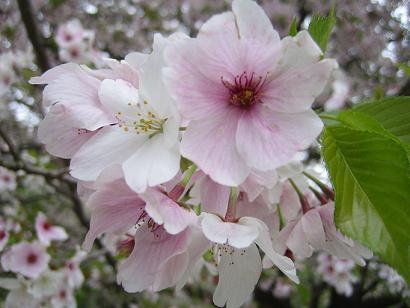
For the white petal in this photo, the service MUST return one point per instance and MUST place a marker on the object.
(238, 274)
(253, 23)
(239, 235)
(264, 242)
(111, 145)
(153, 164)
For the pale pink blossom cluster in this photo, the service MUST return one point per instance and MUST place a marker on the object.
(337, 272)
(11, 64)
(190, 149)
(7, 180)
(36, 284)
(76, 44)
(395, 283)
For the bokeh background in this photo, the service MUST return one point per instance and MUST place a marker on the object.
(371, 42)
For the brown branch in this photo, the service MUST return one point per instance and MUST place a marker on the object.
(33, 33)
(11, 147)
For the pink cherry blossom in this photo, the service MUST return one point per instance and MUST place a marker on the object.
(7, 180)
(337, 272)
(160, 260)
(247, 93)
(70, 33)
(315, 230)
(28, 259)
(46, 232)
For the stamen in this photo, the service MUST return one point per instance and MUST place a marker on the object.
(245, 90)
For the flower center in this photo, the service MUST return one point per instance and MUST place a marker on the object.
(2, 234)
(143, 121)
(46, 225)
(31, 258)
(244, 90)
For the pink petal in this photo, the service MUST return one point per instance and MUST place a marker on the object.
(151, 251)
(211, 145)
(294, 90)
(267, 139)
(58, 131)
(72, 86)
(164, 211)
(214, 197)
(115, 209)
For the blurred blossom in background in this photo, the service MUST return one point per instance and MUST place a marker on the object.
(42, 221)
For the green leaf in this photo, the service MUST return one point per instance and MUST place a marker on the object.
(293, 30)
(321, 27)
(392, 113)
(370, 174)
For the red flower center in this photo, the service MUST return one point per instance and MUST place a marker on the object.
(245, 90)
(46, 225)
(32, 258)
(2, 234)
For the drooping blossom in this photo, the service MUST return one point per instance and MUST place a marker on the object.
(316, 230)
(238, 259)
(162, 248)
(395, 282)
(145, 137)
(246, 93)
(47, 232)
(28, 259)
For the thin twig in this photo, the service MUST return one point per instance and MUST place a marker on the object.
(36, 39)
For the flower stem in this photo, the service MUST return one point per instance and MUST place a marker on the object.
(303, 201)
(176, 192)
(189, 173)
(233, 201)
(323, 187)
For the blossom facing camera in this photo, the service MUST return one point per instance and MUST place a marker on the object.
(246, 93)
(28, 259)
(46, 232)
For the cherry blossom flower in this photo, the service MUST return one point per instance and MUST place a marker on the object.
(337, 272)
(7, 180)
(146, 135)
(47, 232)
(239, 263)
(28, 259)
(70, 33)
(162, 240)
(246, 93)
(315, 230)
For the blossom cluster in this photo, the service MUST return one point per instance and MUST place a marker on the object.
(193, 148)
(38, 284)
(76, 44)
